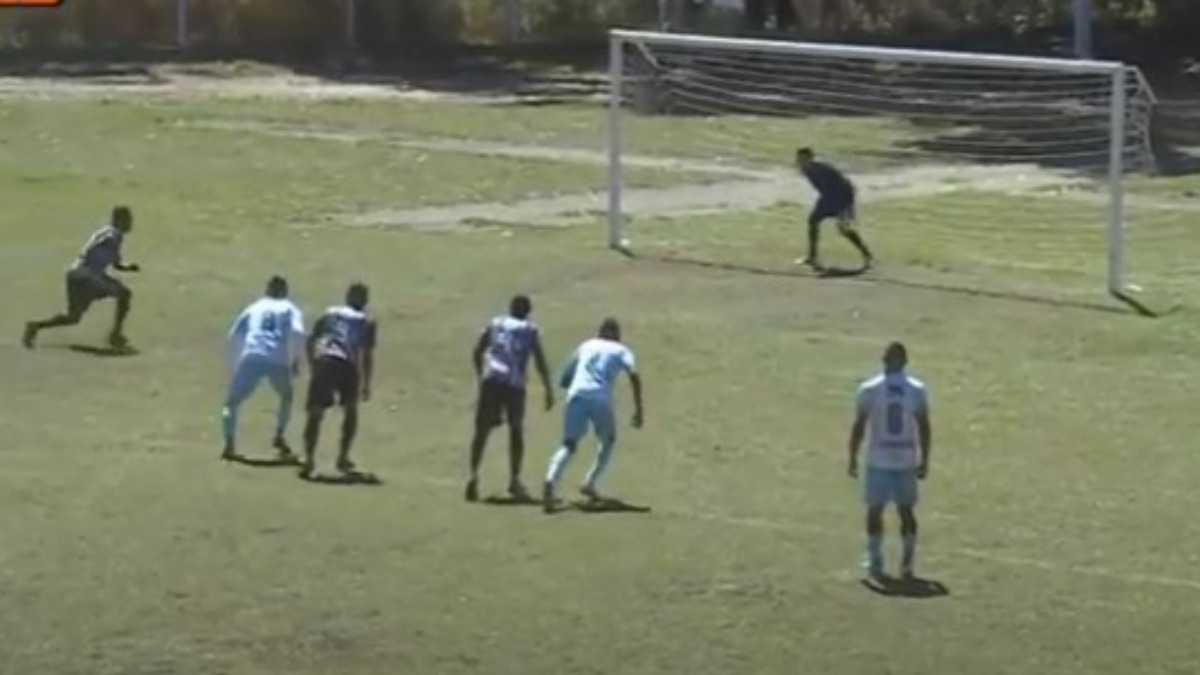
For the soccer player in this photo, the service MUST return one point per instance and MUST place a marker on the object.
(501, 357)
(341, 354)
(265, 342)
(88, 280)
(896, 408)
(835, 199)
(588, 379)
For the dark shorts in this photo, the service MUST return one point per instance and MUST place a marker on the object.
(334, 382)
(500, 402)
(85, 287)
(840, 207)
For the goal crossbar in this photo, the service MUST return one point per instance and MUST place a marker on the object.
(914, 56)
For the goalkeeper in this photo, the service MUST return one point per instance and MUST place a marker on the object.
(835, 199)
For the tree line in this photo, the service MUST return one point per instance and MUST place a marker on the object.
(391, 25)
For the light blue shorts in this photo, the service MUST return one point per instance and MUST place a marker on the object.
(582, 412)
(250, 372)
(895, 486)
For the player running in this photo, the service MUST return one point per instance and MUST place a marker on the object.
(341, 354)
(265, 342)
(88, 280)
(588, 379)
(835, 199)
(501, 357)
(896, 407)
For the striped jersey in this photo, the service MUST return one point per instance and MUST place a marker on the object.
(102, 250)
(344, 333)
(510, 343)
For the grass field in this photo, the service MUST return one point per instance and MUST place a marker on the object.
(1058, 514)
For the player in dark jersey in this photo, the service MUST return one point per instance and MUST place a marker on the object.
(341, 356)
(835, 199)
(501, 357)
(88, 280)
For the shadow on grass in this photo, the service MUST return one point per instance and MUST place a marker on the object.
(860, 275)
(263, 463)
(915, 588)
(351, 478)
(102, 352)
(511, 500)
(604, 505)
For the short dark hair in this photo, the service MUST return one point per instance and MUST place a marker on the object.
(277, 287)
(804, 152)
(358, 295)
(610, 328)
(520, 306)
(121, 213)
(895, 355)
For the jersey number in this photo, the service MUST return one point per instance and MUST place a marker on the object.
(895, 419)
(271, 324)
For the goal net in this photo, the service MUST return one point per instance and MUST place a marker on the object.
(988, 169)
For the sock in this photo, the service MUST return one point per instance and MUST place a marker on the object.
(602, 459)
(558, 465)
(229, 423)
(875, 549)
(909, 542)
(283, 415)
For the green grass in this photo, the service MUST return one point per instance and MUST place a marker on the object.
(1058, 513)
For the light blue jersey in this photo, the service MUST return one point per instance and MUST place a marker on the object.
(594, 367)
(270, 330)
(891, 402)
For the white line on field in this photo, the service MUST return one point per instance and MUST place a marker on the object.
(964, 552)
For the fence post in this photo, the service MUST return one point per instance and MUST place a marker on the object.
(181, 24)
(1083, 29)
(351, 35)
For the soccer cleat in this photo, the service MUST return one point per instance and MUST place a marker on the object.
(118, 341)
(306, 471)
(471, 494)
(873, 568)
(517, 491)
(590, 492)
(548, 499)
(229, 453)
(345, 465)
(907, 573)
(286, 455)
(30, 336)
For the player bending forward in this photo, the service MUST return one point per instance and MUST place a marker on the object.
(896, 408)
(588, 379)
(264, 343)
(835, 199)
(501, 357)
(341, 354)
(88, 280)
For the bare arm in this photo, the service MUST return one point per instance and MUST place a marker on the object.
(310, 345)
(543, 370)
(635, 383)
(925, 427)
(367, 360)
(857, 431)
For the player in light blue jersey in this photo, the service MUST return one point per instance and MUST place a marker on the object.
(588, 378)
(501, 358)
(894, 406)
(265, 342)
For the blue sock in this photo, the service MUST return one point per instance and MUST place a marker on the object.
(229, 423)
(875, 550)
(283, 415)
(602, 460)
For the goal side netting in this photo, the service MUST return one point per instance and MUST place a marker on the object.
(1003, 169)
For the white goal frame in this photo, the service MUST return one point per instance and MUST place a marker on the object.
(1118, 73)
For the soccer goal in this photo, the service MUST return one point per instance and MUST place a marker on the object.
(962, 160)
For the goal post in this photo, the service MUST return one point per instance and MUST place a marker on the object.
(1055, 126)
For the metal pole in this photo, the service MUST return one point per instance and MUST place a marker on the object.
(1083, 29)
(181, 24)
(351, 23)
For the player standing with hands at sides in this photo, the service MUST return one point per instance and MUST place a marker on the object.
(835, 199)
(88, 280)
(895, 406)
(265, 342)
(501, 357)
(341, 354)
(588, 379)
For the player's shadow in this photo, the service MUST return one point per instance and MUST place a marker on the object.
(102, 352)
(511, 500)
(915, 588)
(263, 462)
(604, 505)
(350, 478)
(860, 275)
